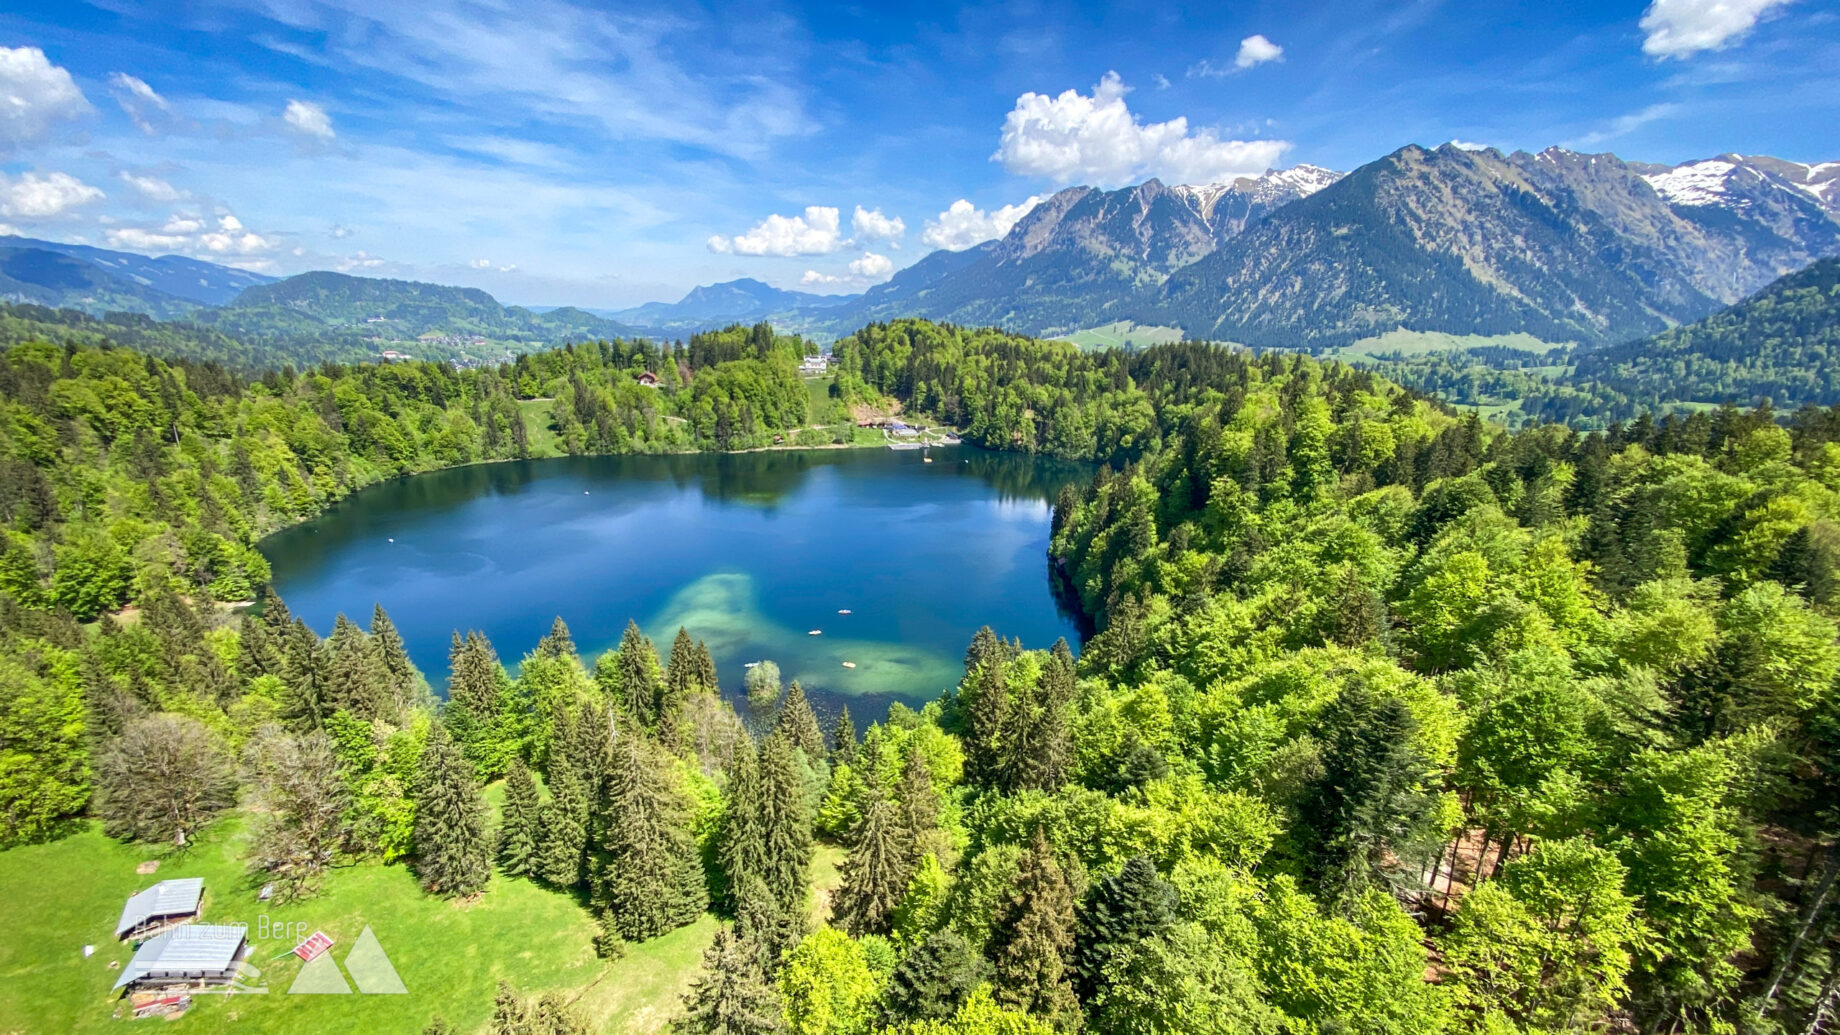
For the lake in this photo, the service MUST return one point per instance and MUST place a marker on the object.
(749, 551)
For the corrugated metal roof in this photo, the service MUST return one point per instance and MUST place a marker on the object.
(167, 898)
(192, 949)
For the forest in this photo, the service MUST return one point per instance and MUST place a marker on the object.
(122, 474)
(1394, 721)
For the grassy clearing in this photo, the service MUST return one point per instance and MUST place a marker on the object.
(818, 402)
(1123, 334)
(64, 895)
(1402, 342)
(537, 415)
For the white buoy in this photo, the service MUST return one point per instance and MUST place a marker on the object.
(392, 540)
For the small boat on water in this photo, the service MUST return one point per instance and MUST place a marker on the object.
(815, 632)
(750, 664)
(843, 610)
(849, 664)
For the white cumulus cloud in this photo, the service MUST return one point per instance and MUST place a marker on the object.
(813, 278)
(872, 266)
(964, 225)
(1256, 50)
(359, 261)
(141, 102)
(818, 232)
(34, 95)
(1097, 139)
(308, 118)
(481, 264)
(871, 224)
(223, 238)
(35, 196)
(1677, 28)
(152, 188)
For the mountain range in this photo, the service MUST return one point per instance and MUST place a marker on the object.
(1562, 245)
(1567, 247)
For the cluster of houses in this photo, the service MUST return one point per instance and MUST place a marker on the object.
(172, 948)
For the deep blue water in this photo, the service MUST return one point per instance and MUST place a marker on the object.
(749, 551)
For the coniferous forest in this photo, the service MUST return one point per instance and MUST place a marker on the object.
(1393, 720)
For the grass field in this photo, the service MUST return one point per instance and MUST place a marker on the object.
(537, 414)
(1418, 343)
(67, 894)
(1123, 334)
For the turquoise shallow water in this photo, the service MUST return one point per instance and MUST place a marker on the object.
(749, 551)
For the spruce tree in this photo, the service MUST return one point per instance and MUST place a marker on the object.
(562, 828)
(732, 996)
(453, 850)
(508, 1012)
(1368, 804)
(706, 678)
(305, 676)
(517, 832)
(799, 725)
(771, 932)
(1117, 913)
(785, 824)
(875, 873)
(985, 647)
(1032, 939)
(636, 671)
(933, 980)
(392, 658)
(919, 811)
(985, 705)
(843, 739)
(742, 848)
(355, 683)
(648, 874)
(478, 705)
(680, 683)
(557, 643)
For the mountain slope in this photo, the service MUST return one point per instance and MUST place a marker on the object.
(1562, 246)
(717, 305)
(39, 276)
(1086, 256)
(398, 309)
(1782, 343)
(203, 283)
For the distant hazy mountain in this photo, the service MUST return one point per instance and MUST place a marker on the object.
(1559, 245)
(99, 280)
(1084, 256)
(397, 310)
(40, 277)
(717, 305)
(1780, 344)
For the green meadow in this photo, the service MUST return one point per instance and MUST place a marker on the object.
(449, 955)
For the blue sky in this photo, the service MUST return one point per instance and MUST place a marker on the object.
(605, 155)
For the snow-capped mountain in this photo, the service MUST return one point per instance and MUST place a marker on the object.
(1742, 183)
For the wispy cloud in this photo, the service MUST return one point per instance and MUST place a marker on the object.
(1623, 125)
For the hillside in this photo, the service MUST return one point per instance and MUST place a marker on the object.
(206, 283)
(398, 311)
(1083, 257)
(39, 276)
(711, 306)
(1781, 344)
